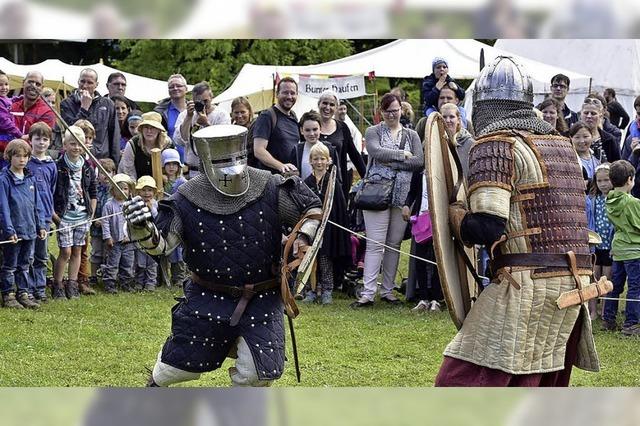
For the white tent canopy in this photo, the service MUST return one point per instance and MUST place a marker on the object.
(400, 59)
(611, 63)
(59, 75)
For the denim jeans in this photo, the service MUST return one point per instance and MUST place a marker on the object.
(119, 263)
(18, 258)
(146, 269)
(624, 270)
(38, 270)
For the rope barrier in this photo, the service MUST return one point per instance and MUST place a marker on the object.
(434, 263)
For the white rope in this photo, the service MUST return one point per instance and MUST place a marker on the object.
(67, 227)
(434, 263)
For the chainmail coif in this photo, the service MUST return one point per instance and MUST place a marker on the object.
(498, 114)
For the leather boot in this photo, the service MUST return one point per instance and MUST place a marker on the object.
(85, 289)
(71, 289)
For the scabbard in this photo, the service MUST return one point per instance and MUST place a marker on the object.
(588, 292)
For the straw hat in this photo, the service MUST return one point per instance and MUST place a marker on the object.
(146, 181)
(122, 177)
(152, 119)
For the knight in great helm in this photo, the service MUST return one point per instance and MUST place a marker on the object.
(230, 220)
(527, 204)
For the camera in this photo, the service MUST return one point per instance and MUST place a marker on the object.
(199, 106)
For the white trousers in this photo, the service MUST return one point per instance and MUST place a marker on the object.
(244, 373)
(386, 227)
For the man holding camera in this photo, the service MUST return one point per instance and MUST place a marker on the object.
(200, 113)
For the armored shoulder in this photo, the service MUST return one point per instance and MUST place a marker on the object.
(491, 172)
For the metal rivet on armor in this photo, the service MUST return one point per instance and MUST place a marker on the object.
(230, 277)
(244, 245)
(203, 293)
(260, 296)
(196, 312)
(260, 350)
(188, 363)
(202, 231)
(210, 319)
(194, 336)
(197, 270)
(204, 344)
(241, 225)
(248, 273)
(225, 340)
(198, 210)
(200, 224)
(263, 232)
(212, 250)
(217, 363)
(204, 250)
(206, 339)
(239, 217)
(252, 317)
(193, 250)
(271, 350)
(225, 249)
(212, 345)
(221, 297)
(244, 238)
(220, 222)
(218, 317)
(219, 322)
(215, 296)
(259, 270)
(202, 244)
(261, 220)
(228, 269)
(253, 325)
(222, 228)
(209, 314)
(264, 372)
(266, 315)
(275, 371)
(191, 343)
(269, 342)
(264, 323)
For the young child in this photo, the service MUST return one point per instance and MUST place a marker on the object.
(310, 124)
(428, 290)
(624, 212)
(598, 217)
(74, 203)
(120, 253)
(45, 173)
(336, 243)
(146, 267)
(83, 273)
(172, 167)
(8, 128)
(21, 220)
(97, 258)
(582, 139)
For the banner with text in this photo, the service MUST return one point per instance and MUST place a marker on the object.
(346, 87)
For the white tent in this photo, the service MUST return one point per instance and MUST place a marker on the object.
(611, 63)
(61, 76)
(401, 59)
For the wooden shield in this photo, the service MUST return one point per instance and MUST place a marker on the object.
(442, 176)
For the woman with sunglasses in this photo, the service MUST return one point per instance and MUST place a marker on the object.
(605, 146)
(395, 153)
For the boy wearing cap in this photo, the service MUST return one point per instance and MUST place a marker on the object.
(146, 267)
(74, 204)
(435, 81)
(120, 253)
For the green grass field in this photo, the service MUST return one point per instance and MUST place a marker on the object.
(106, 340)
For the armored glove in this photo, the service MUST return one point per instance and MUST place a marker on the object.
(139, 223)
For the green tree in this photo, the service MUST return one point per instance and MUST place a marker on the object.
(218, 61)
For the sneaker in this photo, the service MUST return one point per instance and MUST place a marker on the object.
(41, 297)
(9, 301)
(57, 291)
(391, 299)
(71, 289)
(362, 303)
(327, 298)
(25, 300)
(422, 306)
(632, 330)
(434, 306)
(609, 326)
(150, 288)
(310, 297)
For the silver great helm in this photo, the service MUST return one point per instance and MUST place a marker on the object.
(223, 157)
(504, 79)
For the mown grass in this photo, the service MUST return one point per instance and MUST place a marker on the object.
(106, 340)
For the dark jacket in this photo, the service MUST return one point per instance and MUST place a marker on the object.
(610, 146)
(20, 208)
(430, 93)
(161, 108)
(618, 115)
(414, 196)
(298, 150)
(102, 114)
(61, 196)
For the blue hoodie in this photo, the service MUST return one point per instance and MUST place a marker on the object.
(20, 208)
(46, 175)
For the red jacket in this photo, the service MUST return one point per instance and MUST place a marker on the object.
(39, 111)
